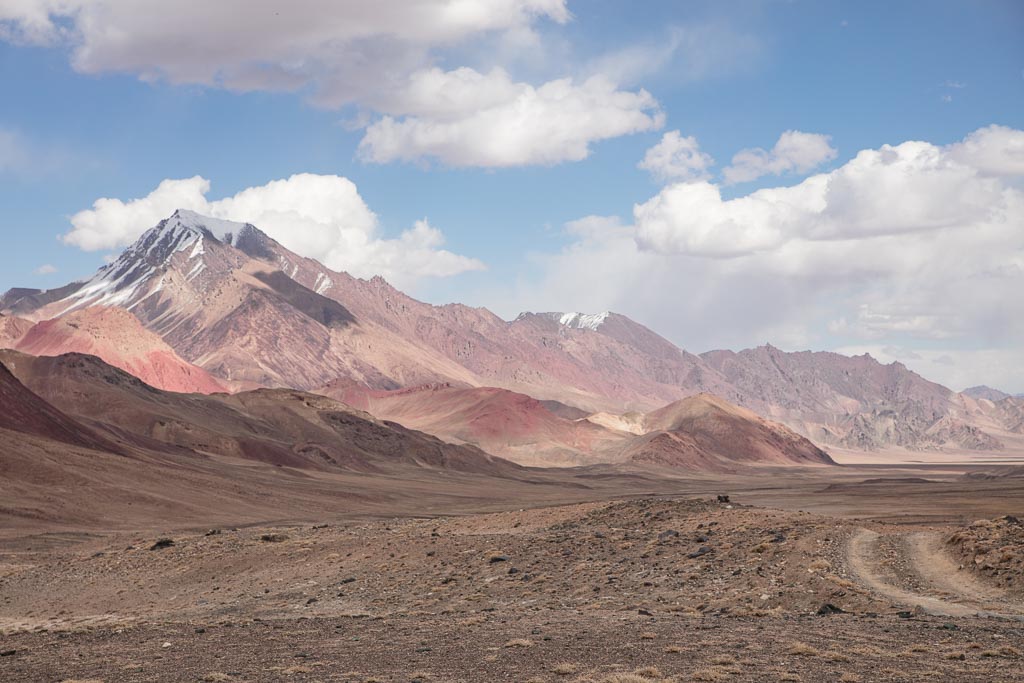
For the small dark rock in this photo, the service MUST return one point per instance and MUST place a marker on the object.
(162, 543)
(213, 532)
(499, 558)
(644, 612)
(669, 533)
(311, 601)
(513, 570)
(723, 499)
(8, 653)
(828, 608)
(349, 579)
(703, 550)
(273, 538)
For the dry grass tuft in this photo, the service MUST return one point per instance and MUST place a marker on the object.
(709, 675)
(519, 642)
(292, 670)
(625, 678)
(216, 677)
(650, 672)
(673, 649)
(723, 660)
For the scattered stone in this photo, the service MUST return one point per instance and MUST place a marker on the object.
(349, 579)
(499, 558)
(162, 543)
(723, 499)
(703, 550)
(828, 608)
(670, 533)
(213, 532)
(8, 653)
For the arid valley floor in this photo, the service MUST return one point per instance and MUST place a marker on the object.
(854, 573)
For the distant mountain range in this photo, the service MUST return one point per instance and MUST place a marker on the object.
(203, 305)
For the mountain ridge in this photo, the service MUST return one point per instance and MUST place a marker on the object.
(229, 299)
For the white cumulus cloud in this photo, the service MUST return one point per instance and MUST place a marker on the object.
(465, 118)
(379, 57)
(677, 158)
(795, 152)
(318, 216)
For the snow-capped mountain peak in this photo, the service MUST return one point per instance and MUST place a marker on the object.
(138, 272)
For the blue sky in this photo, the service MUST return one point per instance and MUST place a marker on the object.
(82, 120)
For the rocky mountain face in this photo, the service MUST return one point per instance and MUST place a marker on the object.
(985, 392)
(231, 301)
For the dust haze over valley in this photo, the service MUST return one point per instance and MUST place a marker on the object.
(265, 436)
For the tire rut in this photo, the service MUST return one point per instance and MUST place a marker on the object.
(914, 570)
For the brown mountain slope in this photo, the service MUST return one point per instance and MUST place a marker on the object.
(700, 433)
(278, 427)
(116, 336)
(704, 429)
(502, 422)
(24, 412)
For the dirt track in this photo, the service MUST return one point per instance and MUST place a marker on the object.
(912, 568)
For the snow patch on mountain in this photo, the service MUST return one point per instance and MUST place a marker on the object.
(583, 321)
(225, 231)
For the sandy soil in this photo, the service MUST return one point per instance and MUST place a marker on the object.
(660, 588)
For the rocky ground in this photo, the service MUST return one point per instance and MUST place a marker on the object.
(653, 588)
(995, 549)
